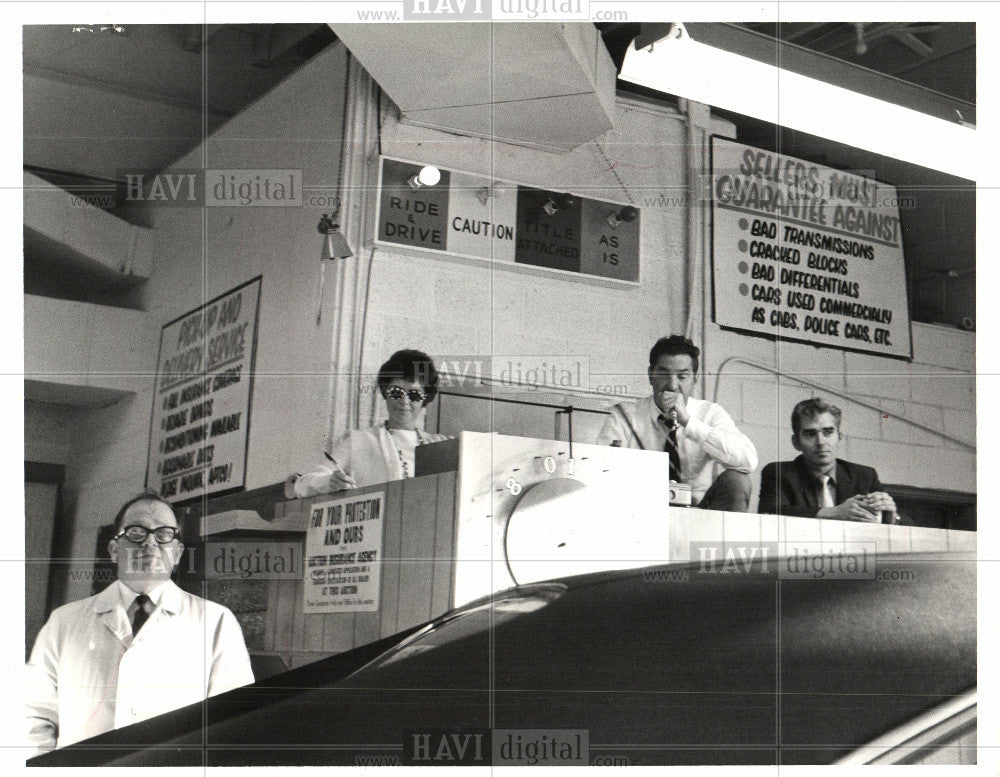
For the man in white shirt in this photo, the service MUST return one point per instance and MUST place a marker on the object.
(706, 449)
(139, 648)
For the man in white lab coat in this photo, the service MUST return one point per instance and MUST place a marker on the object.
(139, 648)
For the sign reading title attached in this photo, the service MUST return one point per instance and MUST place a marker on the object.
(344, 554)
(806, 252)
(503, 224)
(201, 407)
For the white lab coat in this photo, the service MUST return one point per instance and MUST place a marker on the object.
(87, 675)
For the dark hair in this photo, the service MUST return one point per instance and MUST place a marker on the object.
(413, 366)
(145, 496)
(675, 345)
(808, 409)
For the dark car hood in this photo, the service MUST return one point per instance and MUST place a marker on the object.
(663, 665)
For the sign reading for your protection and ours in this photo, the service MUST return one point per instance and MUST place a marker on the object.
(201, 407)
(343, 554)
(806, 252)
(504, 224)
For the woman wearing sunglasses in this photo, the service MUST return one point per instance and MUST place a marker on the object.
(408, 383)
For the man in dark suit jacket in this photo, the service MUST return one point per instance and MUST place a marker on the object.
(817, 484)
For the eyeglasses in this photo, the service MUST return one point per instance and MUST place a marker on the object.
(413, 394)
(137, 534)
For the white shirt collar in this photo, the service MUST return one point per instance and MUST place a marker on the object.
(126, 595)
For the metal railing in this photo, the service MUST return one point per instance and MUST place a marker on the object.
(836, 392)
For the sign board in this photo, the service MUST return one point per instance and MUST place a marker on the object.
(344, 554)
(201, 405)
(808, 253)
(507, 225)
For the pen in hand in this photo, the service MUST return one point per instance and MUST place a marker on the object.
(341, 479)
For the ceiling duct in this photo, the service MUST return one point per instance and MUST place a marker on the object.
(547, 86)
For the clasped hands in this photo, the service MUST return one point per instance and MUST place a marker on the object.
(865, 508)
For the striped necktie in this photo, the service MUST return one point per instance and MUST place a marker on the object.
(670, 447)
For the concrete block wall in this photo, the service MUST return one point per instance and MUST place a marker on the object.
(439, 306)
(447, 308)
(936, 390)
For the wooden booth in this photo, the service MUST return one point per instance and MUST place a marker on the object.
(484, 513)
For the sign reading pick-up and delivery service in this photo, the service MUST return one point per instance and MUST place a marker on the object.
(201, 407)
(805, 252)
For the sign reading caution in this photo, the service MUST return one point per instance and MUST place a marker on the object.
(504, 224)
(805, 252)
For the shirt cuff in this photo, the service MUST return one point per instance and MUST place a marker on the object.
(696, 430)
(312, 483)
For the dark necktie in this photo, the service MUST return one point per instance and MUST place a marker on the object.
(670, 447)
(141, 616)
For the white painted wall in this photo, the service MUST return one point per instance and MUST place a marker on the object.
(199, 254)
(447, 309)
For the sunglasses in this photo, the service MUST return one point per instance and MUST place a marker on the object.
(413, 394)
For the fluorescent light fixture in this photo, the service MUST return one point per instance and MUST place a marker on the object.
(681, 66)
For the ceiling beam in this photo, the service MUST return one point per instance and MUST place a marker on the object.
(913, 43)
(799, 31)
(195, 37)
(277, 45)
(127, 90)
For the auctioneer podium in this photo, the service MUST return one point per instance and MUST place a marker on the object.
(444, 534)
(487, 512)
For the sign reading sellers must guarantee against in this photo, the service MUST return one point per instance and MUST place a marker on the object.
(806, 252)
(343, 554)
(201, 407)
